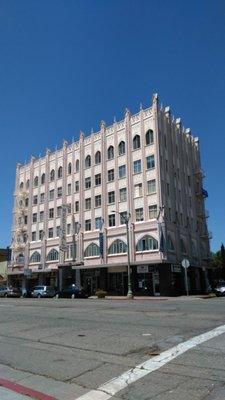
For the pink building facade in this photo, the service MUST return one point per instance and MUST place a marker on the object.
(146, 167)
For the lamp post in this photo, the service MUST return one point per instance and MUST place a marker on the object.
(126, 221)
(76, 230)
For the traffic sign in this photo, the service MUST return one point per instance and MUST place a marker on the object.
(185, 263)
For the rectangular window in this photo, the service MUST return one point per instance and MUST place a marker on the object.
(51, 212)
(150, 160)
(58, 231)
(138, 190)
(98, 222)
(35, 217)
(42, 198)
(33, 236)
(153, 211)
(98, 200)
(151, 186)
(35, 199)
(59, 191)
(123, 194)
(87, 225)
(123, 216)
(25, 220)
(59, 210)
(68, 229)
(88, 182)
(111, 197)
(137, 166)
(50, 232)
(27, 202)
(41, 232)
(98, 179)
(51, 195)
(76, 206)
(77, 186)
(69, 188)
(88, 204)
(110, 175)
(112, 220)
(69, 208)
(122, 171)
(41, 216)
(139, 214)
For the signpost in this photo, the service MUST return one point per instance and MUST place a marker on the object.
(185, 264)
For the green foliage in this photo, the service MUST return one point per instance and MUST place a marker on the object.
(218, 261)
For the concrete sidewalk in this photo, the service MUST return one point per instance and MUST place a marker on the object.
(21, 385)
(157, 298)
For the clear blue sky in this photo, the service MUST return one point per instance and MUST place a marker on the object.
(66, 65)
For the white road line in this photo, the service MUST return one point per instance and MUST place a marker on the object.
(110, 388)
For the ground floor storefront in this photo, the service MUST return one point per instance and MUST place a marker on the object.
(147, 280)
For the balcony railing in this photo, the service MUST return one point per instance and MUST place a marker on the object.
(206, 235)
(200, 173)
(202, 193)
(203, 214)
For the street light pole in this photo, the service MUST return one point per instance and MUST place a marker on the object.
(126, 221)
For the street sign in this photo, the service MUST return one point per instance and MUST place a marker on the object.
(185, 263)
(176, 268)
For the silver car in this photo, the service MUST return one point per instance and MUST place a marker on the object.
(43, 291)
(219, 290)
(9, 291)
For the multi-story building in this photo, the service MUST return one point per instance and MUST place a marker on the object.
(145, 167)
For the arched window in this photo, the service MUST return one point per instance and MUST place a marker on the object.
(149, 137)
(20, 258)
(110, 152)
(69, 169)
(92, 250)
(53, 255)
(97, 157)
(147, 243)
(170, 244)
(35, 257)
(121, 148)
(42, 179)
(60, 172)
(182, 246)
(88, 161)
(36, 181)
(118, 246)
(27, 183)
(52, 175)
(77, 165)
(21, 185)
(136, 142)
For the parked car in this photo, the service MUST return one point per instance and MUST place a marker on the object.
(9, 291)
(219, 290)
(72, 291)
(43, 291)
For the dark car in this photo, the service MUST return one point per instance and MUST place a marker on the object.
(72, 291)
(219, 290)
(9, 291)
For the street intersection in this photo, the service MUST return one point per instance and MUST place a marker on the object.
(112, 349)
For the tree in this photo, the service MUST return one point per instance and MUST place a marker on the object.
(222, 259)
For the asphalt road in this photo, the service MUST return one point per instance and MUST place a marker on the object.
(73, 346)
